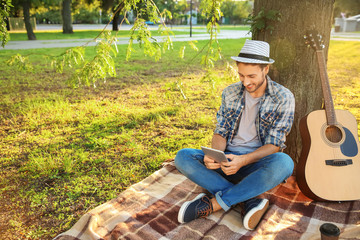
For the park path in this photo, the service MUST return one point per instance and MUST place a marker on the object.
(67, 43)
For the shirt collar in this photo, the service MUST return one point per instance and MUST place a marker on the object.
(270, 90)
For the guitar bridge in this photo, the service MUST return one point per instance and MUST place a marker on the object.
(338, 162)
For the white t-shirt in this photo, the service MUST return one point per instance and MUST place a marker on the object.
(246, 138)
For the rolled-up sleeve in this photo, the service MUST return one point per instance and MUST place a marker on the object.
(282, 123)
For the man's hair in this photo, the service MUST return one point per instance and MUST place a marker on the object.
(262, 66)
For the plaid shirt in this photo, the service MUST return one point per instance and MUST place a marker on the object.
(276, 113)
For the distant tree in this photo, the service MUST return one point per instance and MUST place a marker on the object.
(4, 14)
(236, 11)
(115, 7)
(26, 4)
(22, 9)
(242, 10)
(88, 12)
(349, 7)
(66, 17)
(173, 6)
(179, 13)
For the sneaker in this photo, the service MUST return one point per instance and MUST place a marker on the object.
(254, 210)
(200, 207)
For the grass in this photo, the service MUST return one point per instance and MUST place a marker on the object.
(78, 34)
(343, 71)
(65, 151)
(347, 37)
(89, 34)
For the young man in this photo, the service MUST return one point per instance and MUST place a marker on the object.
(254, 118)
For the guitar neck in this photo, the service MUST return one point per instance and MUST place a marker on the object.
(329, 104)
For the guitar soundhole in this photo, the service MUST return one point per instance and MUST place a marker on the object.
(333, 134)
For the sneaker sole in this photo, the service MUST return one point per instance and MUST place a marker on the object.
(252, 218)
(185, 205)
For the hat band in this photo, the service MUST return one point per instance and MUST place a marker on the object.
(254, 56)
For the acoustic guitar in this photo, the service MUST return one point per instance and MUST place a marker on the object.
(329, 164)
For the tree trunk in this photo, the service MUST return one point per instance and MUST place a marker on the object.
(29, 30)
(295, 65)
(66, 16)
(115, 21)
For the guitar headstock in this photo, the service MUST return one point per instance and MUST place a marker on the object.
(314, 39)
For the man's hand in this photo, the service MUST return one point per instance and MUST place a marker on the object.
(231, 167)
(211, 163)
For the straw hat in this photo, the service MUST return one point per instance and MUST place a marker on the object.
(253, 51)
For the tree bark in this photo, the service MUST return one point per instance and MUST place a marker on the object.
(29, 29)
(295, 65)
(115, 21)
(66, 16)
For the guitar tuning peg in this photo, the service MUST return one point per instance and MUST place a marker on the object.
(308, 46)
(322, 46)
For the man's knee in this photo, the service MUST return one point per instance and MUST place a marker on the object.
(187, 158)
(285, 163)
(183, 156)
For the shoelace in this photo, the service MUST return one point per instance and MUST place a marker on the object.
(206, 209)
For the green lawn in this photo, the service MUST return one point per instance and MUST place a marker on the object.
(79, 34)
(351, 38)
(65, 151)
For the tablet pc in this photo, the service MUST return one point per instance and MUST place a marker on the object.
(215, 154)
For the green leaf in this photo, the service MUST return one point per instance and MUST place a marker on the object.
(193, 46)
(182, 52)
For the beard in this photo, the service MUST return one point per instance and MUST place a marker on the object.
(257, 86)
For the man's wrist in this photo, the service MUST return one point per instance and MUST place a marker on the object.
(244, 159)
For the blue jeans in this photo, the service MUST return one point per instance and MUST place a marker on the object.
(249, 182)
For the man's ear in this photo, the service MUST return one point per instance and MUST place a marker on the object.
(266, 69)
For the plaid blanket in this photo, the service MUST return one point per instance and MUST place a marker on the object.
(148, 210)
